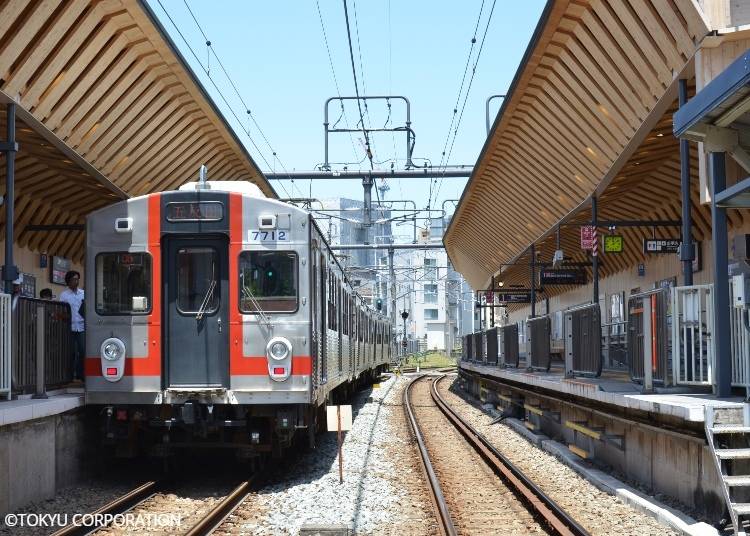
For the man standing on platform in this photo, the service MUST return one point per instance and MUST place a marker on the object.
(73, 296)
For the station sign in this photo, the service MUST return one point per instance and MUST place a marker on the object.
(588, 237)
(514, 297)
(562, 276)
(661, 245)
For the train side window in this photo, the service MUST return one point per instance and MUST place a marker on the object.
(268, 279)
(123, 283)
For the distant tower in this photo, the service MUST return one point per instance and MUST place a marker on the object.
(383, 188)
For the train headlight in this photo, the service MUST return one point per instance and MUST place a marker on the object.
(279, 348)
(113, 349)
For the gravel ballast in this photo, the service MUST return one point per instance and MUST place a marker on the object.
(597, 511)
(383, 490)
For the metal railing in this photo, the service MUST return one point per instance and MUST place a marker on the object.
(583, 340)
(647, 319)
(490, 346)
(6, 354)
(508, 354)
(58, 367)
(739, 344)
(539, 355)
(469, 347)
(692, 336)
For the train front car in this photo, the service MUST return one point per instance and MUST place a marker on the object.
(197, 333)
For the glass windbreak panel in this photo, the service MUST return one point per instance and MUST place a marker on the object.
(197, 273)
(268, 280)
(123, 283)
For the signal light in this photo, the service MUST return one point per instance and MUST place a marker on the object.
(111, 371)
(278, 370)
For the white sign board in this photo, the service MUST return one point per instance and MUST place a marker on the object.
(332, 418)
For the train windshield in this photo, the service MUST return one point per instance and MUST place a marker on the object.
(268, 280)
(123, 283)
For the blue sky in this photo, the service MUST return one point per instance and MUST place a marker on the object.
(276, 56)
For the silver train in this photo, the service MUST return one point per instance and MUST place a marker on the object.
(219, 317)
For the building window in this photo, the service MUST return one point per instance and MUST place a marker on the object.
(430, 314)
(430, 293)
(430, 269)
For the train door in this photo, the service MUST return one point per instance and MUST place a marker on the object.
(196, 312)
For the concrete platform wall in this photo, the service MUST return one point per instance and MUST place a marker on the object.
(39, 457)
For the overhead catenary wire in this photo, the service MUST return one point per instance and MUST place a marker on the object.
(207, 71)
(335, 78)
(356, 85)
(468, 90)
(443, 158)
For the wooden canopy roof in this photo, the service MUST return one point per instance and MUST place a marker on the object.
(581, 117)
(108, 109)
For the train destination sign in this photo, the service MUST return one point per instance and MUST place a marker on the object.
(195, 211)
(661, 245)
(562, 276)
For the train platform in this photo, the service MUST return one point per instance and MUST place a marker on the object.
(26, 408)
(614, 389)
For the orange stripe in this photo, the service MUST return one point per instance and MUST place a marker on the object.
(138, 366)
(154, 319)
(258, 366)
(237, 364)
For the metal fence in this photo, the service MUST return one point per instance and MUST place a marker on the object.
(58, 368)
(539, 355)
(508, 345)
(583, 340)
(656, 303)
(6, 354)
(692, 336)
(490, 346)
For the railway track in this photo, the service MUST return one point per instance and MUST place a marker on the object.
(137, 499)
(462, 470)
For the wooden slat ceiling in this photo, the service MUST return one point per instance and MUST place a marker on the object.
(592, 78)
(648, 187)
(102, 77)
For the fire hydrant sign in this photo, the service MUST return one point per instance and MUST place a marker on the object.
(588, 237)
(332, 418)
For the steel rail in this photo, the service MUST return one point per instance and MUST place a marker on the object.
(117, 506)
(538, 502)
(438, 498)
(221, 511)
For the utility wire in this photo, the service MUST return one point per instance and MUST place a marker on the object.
(356, 86)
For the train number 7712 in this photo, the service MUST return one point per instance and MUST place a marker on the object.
(267, 236)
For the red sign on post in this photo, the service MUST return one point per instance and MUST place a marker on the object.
(588, 237)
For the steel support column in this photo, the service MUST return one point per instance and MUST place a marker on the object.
(533, 281)
(594, 253)
(687, 253)
(392, 275)
(492, 310)
(10, 272)
(722, 334)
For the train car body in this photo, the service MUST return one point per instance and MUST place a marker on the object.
(221, 317)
